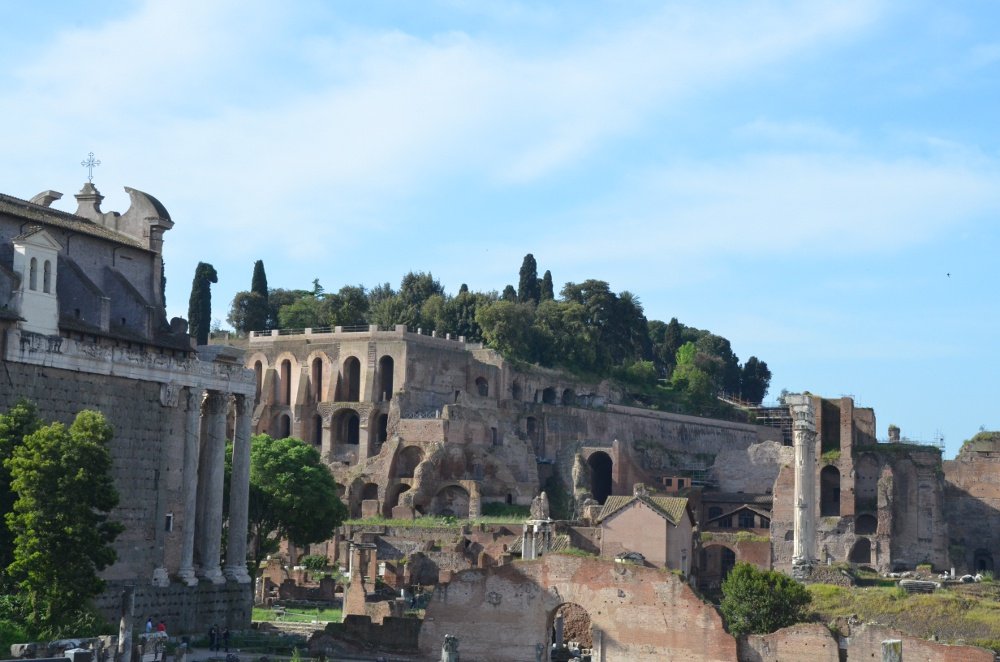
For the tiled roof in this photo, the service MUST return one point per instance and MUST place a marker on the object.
(48, 216)
(737, 497)
(560, 542)
(672, 508)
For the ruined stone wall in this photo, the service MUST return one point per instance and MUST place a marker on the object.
(815, 642)
(972, 508)
(638, 614)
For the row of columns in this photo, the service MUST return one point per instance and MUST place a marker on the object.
(203, 487)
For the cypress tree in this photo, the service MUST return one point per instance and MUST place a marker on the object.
(546, 288)
(200, 304)
(509, 294)
(527, 286)
(258, 308)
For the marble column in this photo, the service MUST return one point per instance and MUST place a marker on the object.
(239, 496)
(214, 454)
(804, 441)
(192, 434)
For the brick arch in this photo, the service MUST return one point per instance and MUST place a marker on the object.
(320, 394)
(284, 384)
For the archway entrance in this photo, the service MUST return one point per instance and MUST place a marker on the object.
(385, 368)
(600, 475)
(407, 461)
(570, 632)
(716, 563)
(452, 500)
(861, 552)
(982, 561)
(347, 427)
(351, 384)
(392, 497)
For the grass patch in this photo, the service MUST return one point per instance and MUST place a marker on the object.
(951, 615)
(298, 615)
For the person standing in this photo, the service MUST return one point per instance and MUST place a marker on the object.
(149, 625)
(225, 639)
(213, 638)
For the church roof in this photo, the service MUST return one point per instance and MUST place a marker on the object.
(671, 508)
(60, 219)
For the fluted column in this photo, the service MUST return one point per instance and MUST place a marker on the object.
(214, 455)
(239, 496)
(804, 440)
(192, 435)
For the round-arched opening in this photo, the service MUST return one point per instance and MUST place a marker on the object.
(392, 497)
(258, 373)
(347, 427)
(601, 467)
(351, 384)
(515, 391)
(861, 552)
(452, 500)
(385, 369)
(482, 387)
(47, 277)
(318, 430)
(549, 396)
(33, 274)
(569, 397)
(982, 561)
(716, 563)
(865, 525)
(407, 461)
(284, 426)
(286, 382)
(369, 492)
(829, 492)
(317, 379)
(570, 632)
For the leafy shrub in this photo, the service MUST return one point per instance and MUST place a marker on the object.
(761, 601)
(314, 562)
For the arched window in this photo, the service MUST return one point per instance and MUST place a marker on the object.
(47, 277)
(284, 426)
(549, 396)
(33, 274)
(385, 369)
(861, 552)
(317, 379)
(258, 371)
(569, 397)
(352, 379)
(383, 428)
(601, 475)
(482, 387)
(286, 382)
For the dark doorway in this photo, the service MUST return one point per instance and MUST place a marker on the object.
(352, 379)
(829, 492)
(385, 368)
(600, 475)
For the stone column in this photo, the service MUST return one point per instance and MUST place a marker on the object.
(214, 454)
(239, 496)
(804, 440)
(192, 434)
(125, 625)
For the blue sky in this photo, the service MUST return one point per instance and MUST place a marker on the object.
(800, 177)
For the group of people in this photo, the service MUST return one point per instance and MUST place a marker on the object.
(160, 627)
(217, 640)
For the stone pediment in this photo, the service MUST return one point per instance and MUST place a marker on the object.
(37, 237)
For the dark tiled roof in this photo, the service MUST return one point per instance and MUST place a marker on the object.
(48, 216)
(737, 497)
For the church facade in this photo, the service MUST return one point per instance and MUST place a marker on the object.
(83, 326)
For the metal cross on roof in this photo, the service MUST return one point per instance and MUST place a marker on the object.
(90, 164)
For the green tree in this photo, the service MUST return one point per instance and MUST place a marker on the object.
(305, 313)
(755, 378)
(62, 534)
(509, 294)
(200, 304)
(546, 290)
(20, 421)
(761, 601)
(691, 378)
(292, 496)
(528, 289)
(507, 328)
(257, 307)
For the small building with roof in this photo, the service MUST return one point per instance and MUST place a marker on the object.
(660, 528)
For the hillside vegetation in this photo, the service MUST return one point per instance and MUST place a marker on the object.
(968, 614)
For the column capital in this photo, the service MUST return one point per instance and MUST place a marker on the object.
(215, 403)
